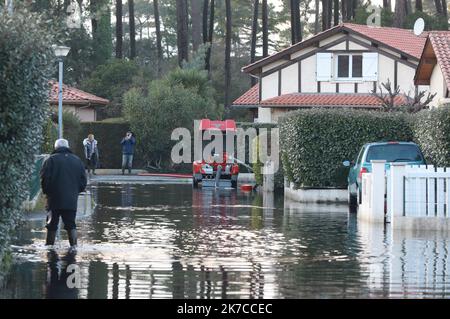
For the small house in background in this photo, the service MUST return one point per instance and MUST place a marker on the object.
(434, 67)
(336, 68)
(84, 105)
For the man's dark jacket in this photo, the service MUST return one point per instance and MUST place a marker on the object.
(128, 145)
(62, 178)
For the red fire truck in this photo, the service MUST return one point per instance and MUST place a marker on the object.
(217, 170)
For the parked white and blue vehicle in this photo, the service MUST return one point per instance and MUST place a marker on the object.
(391, 152)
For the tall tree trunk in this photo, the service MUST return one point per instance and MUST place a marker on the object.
(227, 52)
(265, 28)
(80, 3)
(210, 37)
(408, 7)
(324, 14)
(344, 10)
(182, 32)
(254, 35)
(352, 4)
(119, 29)
(196, 22)
(132, 29)
(296, 33)
(437, 4)
(317, 16)
(336, 12)
(419, 5)
(293, 22)
(444, 8)
(400, 13)
(158, 37)
(93, 12)
(205, 20)
(299, 22)
(330, 13)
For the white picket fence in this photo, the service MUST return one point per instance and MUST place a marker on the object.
(414, 193)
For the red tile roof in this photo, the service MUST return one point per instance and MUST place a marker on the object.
(401, 39)
(74, 96)
(251, 98)
(328, 100)
(397, 39)
(440, 40)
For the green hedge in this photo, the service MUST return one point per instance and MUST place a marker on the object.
(26, 63)
(432, 133)
(315, 142)
(108, 135)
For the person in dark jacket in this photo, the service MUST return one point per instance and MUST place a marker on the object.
(63, 177)
(128, 143)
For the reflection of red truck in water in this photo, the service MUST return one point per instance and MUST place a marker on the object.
(218, 170)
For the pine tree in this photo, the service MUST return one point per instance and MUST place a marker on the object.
(119, 29)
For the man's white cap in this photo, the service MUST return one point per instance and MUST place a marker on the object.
(61, 143)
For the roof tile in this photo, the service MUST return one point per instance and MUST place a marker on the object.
(251, 98)
(440, 40)
(72, 95)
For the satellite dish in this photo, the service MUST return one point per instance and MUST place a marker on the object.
(419, 26)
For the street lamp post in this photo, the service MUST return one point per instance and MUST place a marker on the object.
(60, 53)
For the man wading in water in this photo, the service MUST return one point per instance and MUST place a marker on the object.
(63, 177)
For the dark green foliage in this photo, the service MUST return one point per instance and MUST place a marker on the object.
(108, 135)
(431, 22)
(102, 37)
(71, 130)
(361, 15)
(315, 142)
(25, 61)
(113, 79)
(50, 134)
(183, 96)
(432, 132)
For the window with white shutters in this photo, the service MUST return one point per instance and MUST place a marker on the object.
(323, 66)
(370, 66)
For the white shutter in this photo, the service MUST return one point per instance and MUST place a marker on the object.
(323, 66)
(370, 66)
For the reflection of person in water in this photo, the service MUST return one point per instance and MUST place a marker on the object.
(58, 276)
(126, 195)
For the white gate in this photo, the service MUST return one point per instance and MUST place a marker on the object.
(409, 196)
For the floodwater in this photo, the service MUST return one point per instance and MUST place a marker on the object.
(170, 241)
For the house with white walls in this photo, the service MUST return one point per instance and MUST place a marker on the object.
(82, 104)
(434, 67)
(339, 67)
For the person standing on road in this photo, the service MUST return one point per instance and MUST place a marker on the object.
(128, 143)
(63, 177)
(91, 153)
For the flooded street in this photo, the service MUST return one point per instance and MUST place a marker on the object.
(172, 241)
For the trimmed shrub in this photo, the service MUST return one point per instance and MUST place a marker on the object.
(71, 131)
(431, 130)
(108, 135)
(315, 142)
(25, 68)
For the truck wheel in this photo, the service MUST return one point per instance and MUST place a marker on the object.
(194, 182)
